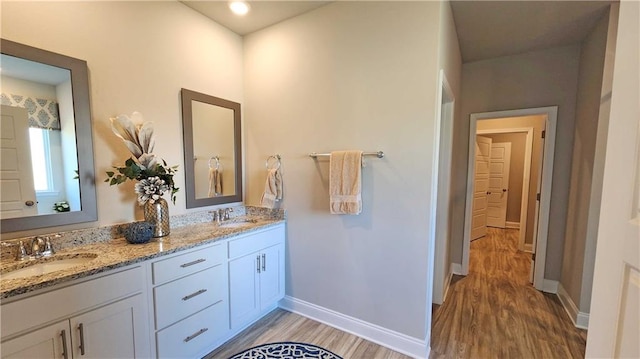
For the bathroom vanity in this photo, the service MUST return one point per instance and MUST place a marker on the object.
(180, 297)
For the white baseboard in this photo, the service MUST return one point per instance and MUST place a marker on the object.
(550, 286)
(514, 225)
(399, 342)
(456, 268)
(579, 319)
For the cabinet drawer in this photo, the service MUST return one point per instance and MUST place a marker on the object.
(255, 242)
(191, 336)
(184, 264)
(185, 296)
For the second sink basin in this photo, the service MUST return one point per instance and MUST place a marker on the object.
(238, 223)
(48, 265)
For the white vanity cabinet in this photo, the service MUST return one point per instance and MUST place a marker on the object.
(97, 318)
(256, 274)
(190, 302)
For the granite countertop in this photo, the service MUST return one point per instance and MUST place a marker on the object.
(118, 252)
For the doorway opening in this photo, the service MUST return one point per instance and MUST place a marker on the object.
(536, 215)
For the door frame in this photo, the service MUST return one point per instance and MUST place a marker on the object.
(551, 113)
(441, 193)
(526, 176)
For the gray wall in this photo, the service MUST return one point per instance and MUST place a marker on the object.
(350, 75)
(577, 267)
(536, 79)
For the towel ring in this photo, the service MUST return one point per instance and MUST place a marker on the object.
(275, 164)
(217, 164)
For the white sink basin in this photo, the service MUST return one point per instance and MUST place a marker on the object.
(50, 266)
(237, 224)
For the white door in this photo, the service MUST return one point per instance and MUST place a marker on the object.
(53, 341)
(17, 195)
(244, 282)
(499, 167)
(271, 279)
(614, 322)
(112, 331)
(480, 187)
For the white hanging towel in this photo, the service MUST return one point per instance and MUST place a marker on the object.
(215, 182)
(273, 188)
(345, 182)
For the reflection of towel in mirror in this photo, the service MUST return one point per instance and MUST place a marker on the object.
(272, 189)
(215, 182)
(345, 182)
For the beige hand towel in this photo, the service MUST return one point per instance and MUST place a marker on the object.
(215, 182)
(345, 182)
(273, 189)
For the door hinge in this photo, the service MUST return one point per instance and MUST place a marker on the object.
(544, 133)
(533, 257)
(538, 197)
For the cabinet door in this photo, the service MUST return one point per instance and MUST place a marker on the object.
(49, 342)
(271, 275)
(243, 289)
(117, 330)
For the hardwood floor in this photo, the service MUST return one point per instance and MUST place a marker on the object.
(492, 313)
(495, 313)
(283, 326)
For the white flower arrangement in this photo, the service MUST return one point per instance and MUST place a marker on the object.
(154, 178)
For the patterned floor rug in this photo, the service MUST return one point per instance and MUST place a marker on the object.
(286, 350)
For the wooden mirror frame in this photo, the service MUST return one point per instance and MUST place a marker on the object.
(84, 140)
(187, 131)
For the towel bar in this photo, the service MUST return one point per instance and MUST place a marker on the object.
(378, 154)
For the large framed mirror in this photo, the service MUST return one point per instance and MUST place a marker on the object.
(46, 170)
(212, 149)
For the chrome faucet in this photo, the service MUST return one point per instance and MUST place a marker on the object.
(222, 214)
(227, 213)
(37, 247)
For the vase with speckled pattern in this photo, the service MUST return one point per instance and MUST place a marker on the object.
(157, 213)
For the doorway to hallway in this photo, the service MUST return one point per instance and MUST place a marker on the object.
(533, 201)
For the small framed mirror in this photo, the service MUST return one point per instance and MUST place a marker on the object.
(212, 149)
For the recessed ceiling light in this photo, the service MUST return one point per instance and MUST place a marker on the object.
(239, 7)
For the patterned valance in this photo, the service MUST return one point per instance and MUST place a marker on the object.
(42, 113)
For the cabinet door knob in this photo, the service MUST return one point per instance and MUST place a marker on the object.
(29, 203)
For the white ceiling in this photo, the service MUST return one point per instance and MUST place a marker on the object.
(262, 13)
(486, 29)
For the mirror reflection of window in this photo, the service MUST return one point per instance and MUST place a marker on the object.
(41, 160)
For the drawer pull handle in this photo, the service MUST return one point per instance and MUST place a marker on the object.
(195, 294)
(185, 265)
(81, 329)
(65, 354)
(194, 335)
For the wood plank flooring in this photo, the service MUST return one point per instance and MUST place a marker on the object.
(492, 313)
(495, 313)
(283, 326)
